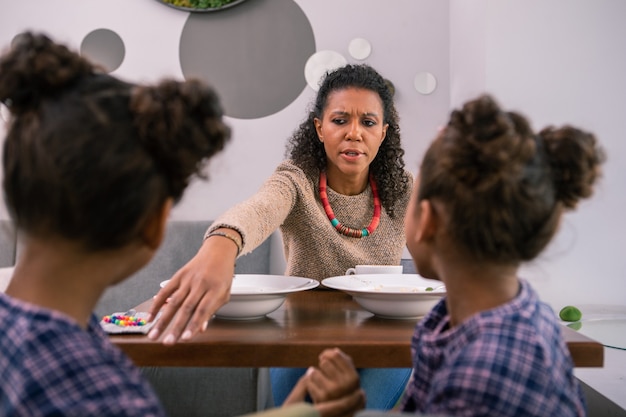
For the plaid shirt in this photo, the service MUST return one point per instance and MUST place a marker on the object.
(508, 361)
(49, 366)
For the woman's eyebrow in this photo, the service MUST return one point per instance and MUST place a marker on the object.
(344, 113)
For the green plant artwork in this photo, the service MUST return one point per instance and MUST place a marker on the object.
(199, 4)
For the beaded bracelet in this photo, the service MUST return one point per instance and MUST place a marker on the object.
(124, 320)
(231, 237)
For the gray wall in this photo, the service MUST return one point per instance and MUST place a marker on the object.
(557, 61)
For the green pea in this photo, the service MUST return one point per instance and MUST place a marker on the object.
(570, 313)
(430, 289)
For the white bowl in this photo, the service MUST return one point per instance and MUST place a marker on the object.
(398, 296)
(254, 296)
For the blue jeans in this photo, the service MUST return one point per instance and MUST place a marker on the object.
(383, 386)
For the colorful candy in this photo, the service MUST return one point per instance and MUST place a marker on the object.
(124, 320)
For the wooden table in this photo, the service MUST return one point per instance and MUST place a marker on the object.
(295, 334)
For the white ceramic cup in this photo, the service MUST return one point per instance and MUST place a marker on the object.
(374, 269)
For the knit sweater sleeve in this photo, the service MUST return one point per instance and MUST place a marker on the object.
(259, 216)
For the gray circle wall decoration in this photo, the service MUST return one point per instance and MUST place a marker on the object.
(255, 76)
(104, 47)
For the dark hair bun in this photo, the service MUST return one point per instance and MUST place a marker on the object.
(575, 159)
(486, 143)
(36, 67)
(177, 121)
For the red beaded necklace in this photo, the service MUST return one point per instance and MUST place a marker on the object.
(366, 231)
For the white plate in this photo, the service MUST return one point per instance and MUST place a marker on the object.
(253, 296)
(398, 296)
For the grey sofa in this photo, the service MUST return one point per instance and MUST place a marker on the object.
(194, 391)
(182, 240)
(184, 392)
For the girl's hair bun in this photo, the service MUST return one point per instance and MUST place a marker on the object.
(482, 119)
(176, 122)
(35, 67)
(486, 143)
(575, 159)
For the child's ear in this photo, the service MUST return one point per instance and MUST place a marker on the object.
(154, 231)
(427, 221)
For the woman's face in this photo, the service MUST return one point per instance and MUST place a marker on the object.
(352, 129)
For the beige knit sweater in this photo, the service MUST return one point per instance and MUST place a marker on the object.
(313, 248)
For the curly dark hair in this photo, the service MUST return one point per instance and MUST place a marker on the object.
(503, 186)
(307, 152)
(89, 157)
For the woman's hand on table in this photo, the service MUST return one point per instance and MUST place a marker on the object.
(333, 386)
(195, 292)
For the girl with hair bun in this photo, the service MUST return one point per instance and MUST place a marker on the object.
(489, 196)
(92, 167)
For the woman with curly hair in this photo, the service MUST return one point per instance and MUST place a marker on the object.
(490, 195)
(92, 166)
(339, 201)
